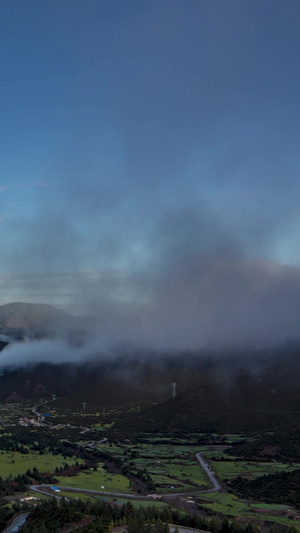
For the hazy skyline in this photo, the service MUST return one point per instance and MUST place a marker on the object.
(150, 164)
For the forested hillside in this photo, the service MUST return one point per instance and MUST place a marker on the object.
(283, 487)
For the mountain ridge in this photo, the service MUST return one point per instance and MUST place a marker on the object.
(22, 315)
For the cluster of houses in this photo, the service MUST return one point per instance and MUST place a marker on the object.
(30, 422)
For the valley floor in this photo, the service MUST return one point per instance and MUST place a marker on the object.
(192, 473)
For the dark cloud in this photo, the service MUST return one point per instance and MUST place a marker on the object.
(202, 290)
(171, 149)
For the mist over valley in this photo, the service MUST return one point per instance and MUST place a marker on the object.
(149, 266)
(217, 389)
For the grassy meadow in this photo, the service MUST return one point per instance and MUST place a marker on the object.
(15, 463)
(230, 505)
(95, 480)
(171, 468)
(228, 467)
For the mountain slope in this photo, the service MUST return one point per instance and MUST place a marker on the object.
(26, 315)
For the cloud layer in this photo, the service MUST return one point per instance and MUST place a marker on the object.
(151, 169)
(202, 290)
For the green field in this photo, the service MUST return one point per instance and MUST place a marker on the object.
(227, 470)
(139, 503)
(224, 503)
(75, 495)
(183, 476)
(220, 502)
(171, 468)
(136, 503)
(235, 438)
(230, 505)
(270, 506)
(91, 480)
(15, 463)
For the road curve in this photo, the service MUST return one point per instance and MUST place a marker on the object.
(203, 464)
(17, 523)
(41, 490)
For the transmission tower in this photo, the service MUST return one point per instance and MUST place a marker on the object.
(53, 396)
(174, 385)
(83, 405)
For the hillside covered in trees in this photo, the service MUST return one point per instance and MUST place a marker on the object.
(55, 517)
(283, 487)
(277, 445)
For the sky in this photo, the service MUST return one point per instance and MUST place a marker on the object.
(149, 168)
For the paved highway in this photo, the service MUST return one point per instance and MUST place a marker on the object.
(42, 490)
(17, 523)
(172, 529)
(208, 472)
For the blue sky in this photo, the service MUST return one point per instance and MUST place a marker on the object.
(137, 133)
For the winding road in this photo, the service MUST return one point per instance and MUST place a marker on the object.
(46, 489)
(200, 459)
(203, 464)
(17, 523)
